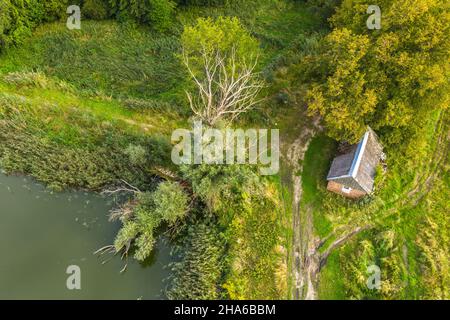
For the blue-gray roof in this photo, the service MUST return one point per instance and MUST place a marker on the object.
(356, 169)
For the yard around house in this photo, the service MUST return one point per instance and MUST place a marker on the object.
(396, 239)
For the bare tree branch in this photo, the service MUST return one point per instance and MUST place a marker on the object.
(224, 90)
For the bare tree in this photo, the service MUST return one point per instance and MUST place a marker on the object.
(226, 87)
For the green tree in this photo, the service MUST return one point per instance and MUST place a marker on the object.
(222, 187)
(95, 9)
(171, 202)
(19, 17)
(161, 15)
(144, 213)
(389, 79)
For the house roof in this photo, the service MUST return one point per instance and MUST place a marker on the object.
(356, 169)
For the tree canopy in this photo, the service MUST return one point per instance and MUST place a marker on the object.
(390, 78)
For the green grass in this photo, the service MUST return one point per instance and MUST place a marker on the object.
(123, 60)
(316, 164)
(105, 57)
(286, 221)
(331, 285)
(258, 269)
(71, 141)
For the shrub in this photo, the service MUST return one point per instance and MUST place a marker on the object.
(222, 187)
(157, 13)
(55, 9)
(95, 9)
(18, 18)
(171, 202)
(137, 154)
(161, 14)
(143, 214)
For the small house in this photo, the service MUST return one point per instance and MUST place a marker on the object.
(352, 174)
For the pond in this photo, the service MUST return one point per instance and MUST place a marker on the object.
(43, 233)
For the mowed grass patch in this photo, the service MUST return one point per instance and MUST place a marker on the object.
(316, 164)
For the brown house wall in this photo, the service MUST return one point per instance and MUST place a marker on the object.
(337, 188)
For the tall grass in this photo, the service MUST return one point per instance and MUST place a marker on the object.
(117, 60)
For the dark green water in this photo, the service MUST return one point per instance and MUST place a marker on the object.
(41, 234)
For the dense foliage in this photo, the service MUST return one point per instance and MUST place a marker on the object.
(245, 207)
(157, 13)
(390, 79)
(19, 17)
(142, 215)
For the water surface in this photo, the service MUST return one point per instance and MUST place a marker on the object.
(43, 233)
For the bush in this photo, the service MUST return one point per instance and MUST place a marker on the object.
(18, 18)
(161, 14)
(137, 154)
(143, 214)
(95, 9)
(171, 202)
(157, 13)
(202, 2)
(55, 9)
(220, 187)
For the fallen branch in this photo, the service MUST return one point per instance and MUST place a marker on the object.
(128, 188)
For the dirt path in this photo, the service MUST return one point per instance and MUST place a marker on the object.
(304, 262)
